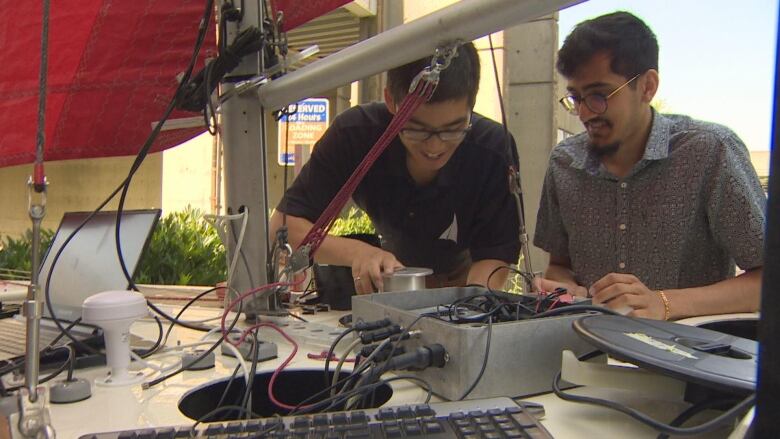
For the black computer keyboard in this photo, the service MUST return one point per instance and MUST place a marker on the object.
(477, 418)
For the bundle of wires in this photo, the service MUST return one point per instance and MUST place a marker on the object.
(500, 307)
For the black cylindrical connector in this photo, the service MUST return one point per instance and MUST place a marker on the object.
(370, 326)
(367, 337)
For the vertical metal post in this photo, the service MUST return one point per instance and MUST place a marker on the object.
(33, 306)
(242, 134)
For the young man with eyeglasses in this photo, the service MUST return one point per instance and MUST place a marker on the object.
(438, 196)
(644, 212)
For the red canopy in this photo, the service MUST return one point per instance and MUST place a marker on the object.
(112, 71)
(297, 12)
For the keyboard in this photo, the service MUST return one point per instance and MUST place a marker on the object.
(491, 418)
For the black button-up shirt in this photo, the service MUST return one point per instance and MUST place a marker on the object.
(467, 213)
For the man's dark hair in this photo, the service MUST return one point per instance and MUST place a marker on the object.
(627, 39)
(459, 80)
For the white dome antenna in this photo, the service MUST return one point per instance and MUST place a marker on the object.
(114, 312)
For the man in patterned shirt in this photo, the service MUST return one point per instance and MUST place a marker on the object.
(647, 213)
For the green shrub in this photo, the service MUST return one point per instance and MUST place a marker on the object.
(355, 221)
(15, 253)
(184, 250)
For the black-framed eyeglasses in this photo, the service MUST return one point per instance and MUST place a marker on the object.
(443, 135)
(596, 103)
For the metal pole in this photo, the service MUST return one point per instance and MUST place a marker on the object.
(465, 20)
(33, 414)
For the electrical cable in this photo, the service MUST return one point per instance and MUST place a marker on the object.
(224, 395)
(342, 360)
(184, 308)
(705, 427)
(50, 376)
(332, 350)
(303, 408)
(526, 276)
(249, 382)
(484, 361)
(156, 345)
(203, 26)
(696, 409)
(574, 309)
(203, 355)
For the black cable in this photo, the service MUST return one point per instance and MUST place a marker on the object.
(299, 408)
(484, 361)
(12, 366)
(696, 409)
(371, 387)
(576, 308)
(209, 114)
(60, 335)
(151, 350)
(183, 367)
(189, 303)
(333, 349)
(394, 346)
(297, 317)
(250, 381)
(49, 377)
(647, 420)
(528, 277)
(177, 96)
(125, 184)
(226, 390)
(277, 115)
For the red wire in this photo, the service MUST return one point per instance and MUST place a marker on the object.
(241, 297)
(281, 367)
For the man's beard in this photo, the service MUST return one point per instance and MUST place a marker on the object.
(604, 150)
(601, 150)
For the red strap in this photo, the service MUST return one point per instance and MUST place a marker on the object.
(409, 105)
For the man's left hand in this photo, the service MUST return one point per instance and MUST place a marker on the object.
(625, 293)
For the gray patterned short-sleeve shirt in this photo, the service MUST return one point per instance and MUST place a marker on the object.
(688, 211)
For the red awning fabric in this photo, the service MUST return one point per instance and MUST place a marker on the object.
(297, 12)
(112, 71)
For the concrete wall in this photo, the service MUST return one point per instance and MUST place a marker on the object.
(531, 90)
(188, 176)
(77, 185)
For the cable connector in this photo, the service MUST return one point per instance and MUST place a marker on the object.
(421, 358)
(368, 337)
(361, 325)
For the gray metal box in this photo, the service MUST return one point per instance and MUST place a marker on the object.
(524, 355)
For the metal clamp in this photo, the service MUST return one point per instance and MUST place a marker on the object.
(34, 420)
(300, 259)
(441, 59)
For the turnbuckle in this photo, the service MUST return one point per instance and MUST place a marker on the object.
(441, 59)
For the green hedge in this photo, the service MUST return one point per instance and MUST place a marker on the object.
(15, 259)
(354, 222)
(184, 250)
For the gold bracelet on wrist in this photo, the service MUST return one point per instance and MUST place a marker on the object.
(667, 308)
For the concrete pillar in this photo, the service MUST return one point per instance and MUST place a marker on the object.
(530, 94)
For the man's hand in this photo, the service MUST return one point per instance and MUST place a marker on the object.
(625, 293)
(368, 265)
(544, 284)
